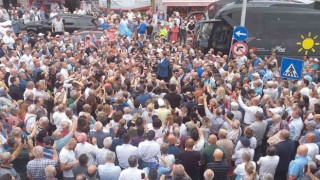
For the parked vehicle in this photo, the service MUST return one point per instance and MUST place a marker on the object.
(72, 22)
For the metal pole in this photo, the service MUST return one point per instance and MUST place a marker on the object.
(232, 40)
(243, 13)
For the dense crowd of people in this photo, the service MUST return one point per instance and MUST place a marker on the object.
(143, 104)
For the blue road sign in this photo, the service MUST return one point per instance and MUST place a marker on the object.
(240, 33)
(291, 68)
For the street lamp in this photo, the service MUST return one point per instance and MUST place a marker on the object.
(243, 13)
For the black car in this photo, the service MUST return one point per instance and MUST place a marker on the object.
(72, 22)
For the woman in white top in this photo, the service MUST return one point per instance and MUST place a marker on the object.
(147, 115)
(240, 169)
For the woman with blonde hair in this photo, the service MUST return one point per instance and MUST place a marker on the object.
(205, 128)
(251, 173)
(147, 115)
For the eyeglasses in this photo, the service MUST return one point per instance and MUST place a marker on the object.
(153, 75)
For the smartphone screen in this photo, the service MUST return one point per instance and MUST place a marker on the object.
(143, 175)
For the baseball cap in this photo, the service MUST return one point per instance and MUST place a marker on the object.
(245, 141)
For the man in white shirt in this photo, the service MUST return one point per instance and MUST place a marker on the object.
(305, 87)
(125, 151)
(295, 124)
(59, 115)
(313, 148)
(132, 173)
(270, 90)
(109, 170)
(82, 11)
(53, 13)
(68, 159)
(269, 163)
(8, 40)
(237, 156)
(250, 111)
(149, 149)
(130, 15)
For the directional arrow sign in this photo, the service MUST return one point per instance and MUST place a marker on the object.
(240, 33)
(239, 48)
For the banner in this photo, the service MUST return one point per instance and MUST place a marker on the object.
(126, 4)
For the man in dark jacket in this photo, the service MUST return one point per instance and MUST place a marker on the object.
(286, 152)
(15, 91)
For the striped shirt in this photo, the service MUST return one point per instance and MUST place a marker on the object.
(220, 169)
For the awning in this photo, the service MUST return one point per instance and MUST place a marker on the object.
(186, 2)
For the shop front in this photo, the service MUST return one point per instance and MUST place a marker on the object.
(184, 7)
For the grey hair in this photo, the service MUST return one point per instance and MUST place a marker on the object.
(246, 156)
(107, 142)
(16, 131)
(37, 151)
(50, 171)
(32, 109)
(110, 156)
(43, 120)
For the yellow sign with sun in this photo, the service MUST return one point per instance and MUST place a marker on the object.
(308, 43)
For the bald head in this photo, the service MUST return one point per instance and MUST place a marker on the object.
(208, 174)
(189, 143)
(218, 154)
(92, 170)
(171, 139)
(302, 150)
(284, 134)
(212, 139)
(310, 138)
(255, 101)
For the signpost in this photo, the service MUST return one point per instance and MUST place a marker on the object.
(239, 49)
(240, 33)
(291, 68)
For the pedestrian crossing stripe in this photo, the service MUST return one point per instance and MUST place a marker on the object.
(291, 71)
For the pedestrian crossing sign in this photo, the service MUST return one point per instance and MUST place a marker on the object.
(291, 68)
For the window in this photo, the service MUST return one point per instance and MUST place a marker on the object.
(205, 34)
(70, 21)
(85, 22)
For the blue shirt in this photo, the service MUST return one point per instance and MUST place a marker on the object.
(200, 71)
(256, 62)
(105, 26)
(109, 171)
(142, 98)
(296, 166)
(142, 28)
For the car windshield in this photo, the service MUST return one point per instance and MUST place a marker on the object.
(96, 22)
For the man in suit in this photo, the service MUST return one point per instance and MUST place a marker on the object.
(163, 67)
(15, 91)
(4, 50)
(286, 151)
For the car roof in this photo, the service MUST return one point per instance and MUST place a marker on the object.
(75, 15)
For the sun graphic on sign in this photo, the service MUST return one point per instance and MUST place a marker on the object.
(307, 44)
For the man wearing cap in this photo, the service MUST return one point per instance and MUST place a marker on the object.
(162, 112)
(237, 156)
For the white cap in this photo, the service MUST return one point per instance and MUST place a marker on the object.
(161, 102)
(40, 34)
